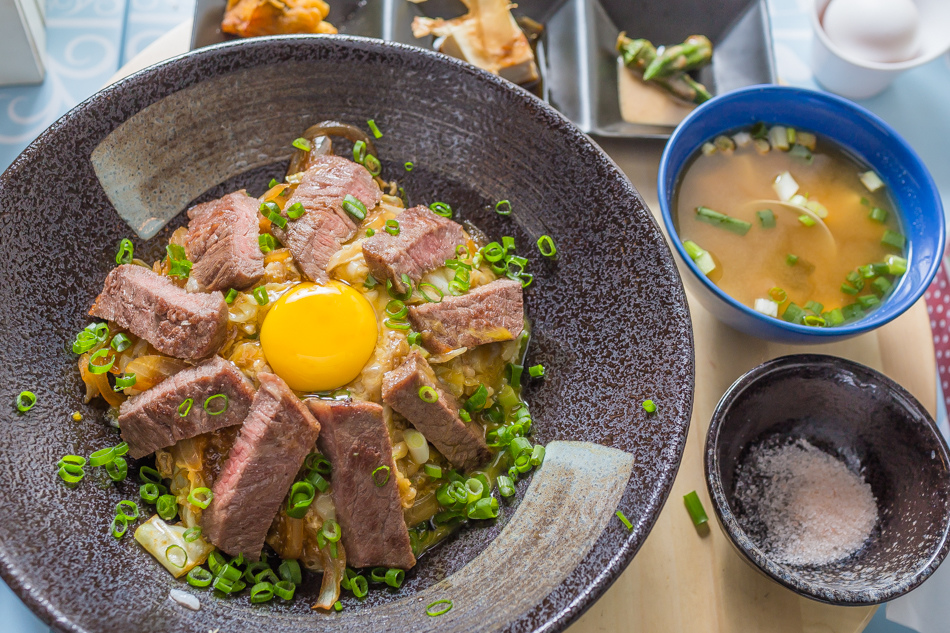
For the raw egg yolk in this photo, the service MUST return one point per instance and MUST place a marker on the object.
(319, 337)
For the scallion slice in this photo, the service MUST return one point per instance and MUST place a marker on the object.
(766, 218)
(441, 208)
(302, 144)
(192, 534)
(299, 500)
(216, 408)
(200, 497)
(125, 253)
(428, 394)
(359, 152)
(791, 259)
(806, 220)
(439, 607)
(199, 577)
(649, 406)
(370, 232)
(392, 227)
(120, 342)
(290, 570)
(117, 469)
(267, 243)
(695, 508)
(427, 297)
(546, 246)
(893, 239)
(119, 526)
(284, 589)
(231, 296)
(878, 214)
(100, 369)
(536, 371)
(503, 207)
(167, 507)
(372, 165)
(506, 487)
(433, 471)
(409, 166)
(124, 382)
(735, 225)
(25, 401)
(354, 207)
(623, 519)
(381, 476)
(374, 129)
(260, 296)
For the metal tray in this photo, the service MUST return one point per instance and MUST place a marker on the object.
(576, 54)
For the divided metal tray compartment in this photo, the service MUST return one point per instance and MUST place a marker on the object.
(576, 53)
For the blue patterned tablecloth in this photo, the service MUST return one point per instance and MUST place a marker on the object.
(89, 40)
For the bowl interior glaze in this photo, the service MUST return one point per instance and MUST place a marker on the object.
(877, 430)
(223, 118)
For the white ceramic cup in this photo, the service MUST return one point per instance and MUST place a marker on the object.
(848, 76)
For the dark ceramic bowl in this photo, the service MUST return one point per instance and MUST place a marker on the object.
(879, 431)
(611, 327)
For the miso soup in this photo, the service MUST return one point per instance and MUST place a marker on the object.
(790, 225)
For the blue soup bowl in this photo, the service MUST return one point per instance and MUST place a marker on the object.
(856, 129)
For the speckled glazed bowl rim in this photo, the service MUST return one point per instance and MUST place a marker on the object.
(728, 520)
(852, 115)
(567, 606)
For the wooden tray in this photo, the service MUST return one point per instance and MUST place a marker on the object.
(681, 581)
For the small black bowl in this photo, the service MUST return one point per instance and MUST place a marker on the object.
(877, 429)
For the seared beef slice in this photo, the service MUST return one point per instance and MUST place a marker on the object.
(489, 313)
(462, 444)
(175, 322)
(222, 242)
(354, 437)
(318, 234)
(276, 437)
(424, 242)
(153, 419)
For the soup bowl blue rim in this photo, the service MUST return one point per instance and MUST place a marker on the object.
(860, 132)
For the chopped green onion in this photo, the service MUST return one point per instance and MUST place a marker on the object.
(735, 225)
(295, 211)
(331, 530)
(536, 371)
(506, 487)
(546, 246)
(623, 519)
(896, 265)
(425, 296)
(372, 164)
(395, 324)
(791, 260)
(766, 218)
(167, 507)
(464, 415)
(302, 144)
(208, 406)
(92, 335)
(102, 457)
(359, 152)
(370, 282)
(359, 586)
(407, 282)
(125, 252)
(428, 394)
(408, 165)
(477, 400)
(893, 239)
(537, 454)
(833, 317)
(119, 526)
(226, 586)
(117, 469)
(319, 463)
(199, 577)
(485, 508)
(149, 475)
(806, 220)
(649, 406)
(802, 152)
(120, 342)
(503, 207)
(100, 369)
(515, 375)
(179, 266)
(441, 208)
(25, 401)
(396, 309)
(868, 301)
(813, 320)
(289, 570)
(793, 313)
(71, 468)
(185, 407)
(150, 492)
(200, 497)
(375, 130)
(395, 577)
(880, 286)
(262, 592)
(192, 534)
(299, 500)
(439, 607)
(133, 512)
(370, 232)
(695, 508)
(273, 183)
(267, 243)
(778, 295)
(381, 476)
(878, 214)
(392, 227)
(814, 306)
(176, 555)
(354, 207)
(849, 289)
(231, 296)
(701, 257)
(433, 471)
(852, 312)
(260, 296)
(124, 382)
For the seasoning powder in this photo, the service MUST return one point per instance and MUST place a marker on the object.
(805, 506)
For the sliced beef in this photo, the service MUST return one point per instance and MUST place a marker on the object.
(424, 242)
(154, 420)
(460, 443)
(354, 437)
(275, 439)
(489, 313)
(222, 243)
(318, 234)
(175, 322)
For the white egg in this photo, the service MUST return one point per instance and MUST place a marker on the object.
(874, 30)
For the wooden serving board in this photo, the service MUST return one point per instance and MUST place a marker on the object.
(682, 581)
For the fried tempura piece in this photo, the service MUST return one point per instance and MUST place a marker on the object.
(249, 18)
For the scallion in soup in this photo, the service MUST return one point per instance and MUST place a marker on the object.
(791, 225)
